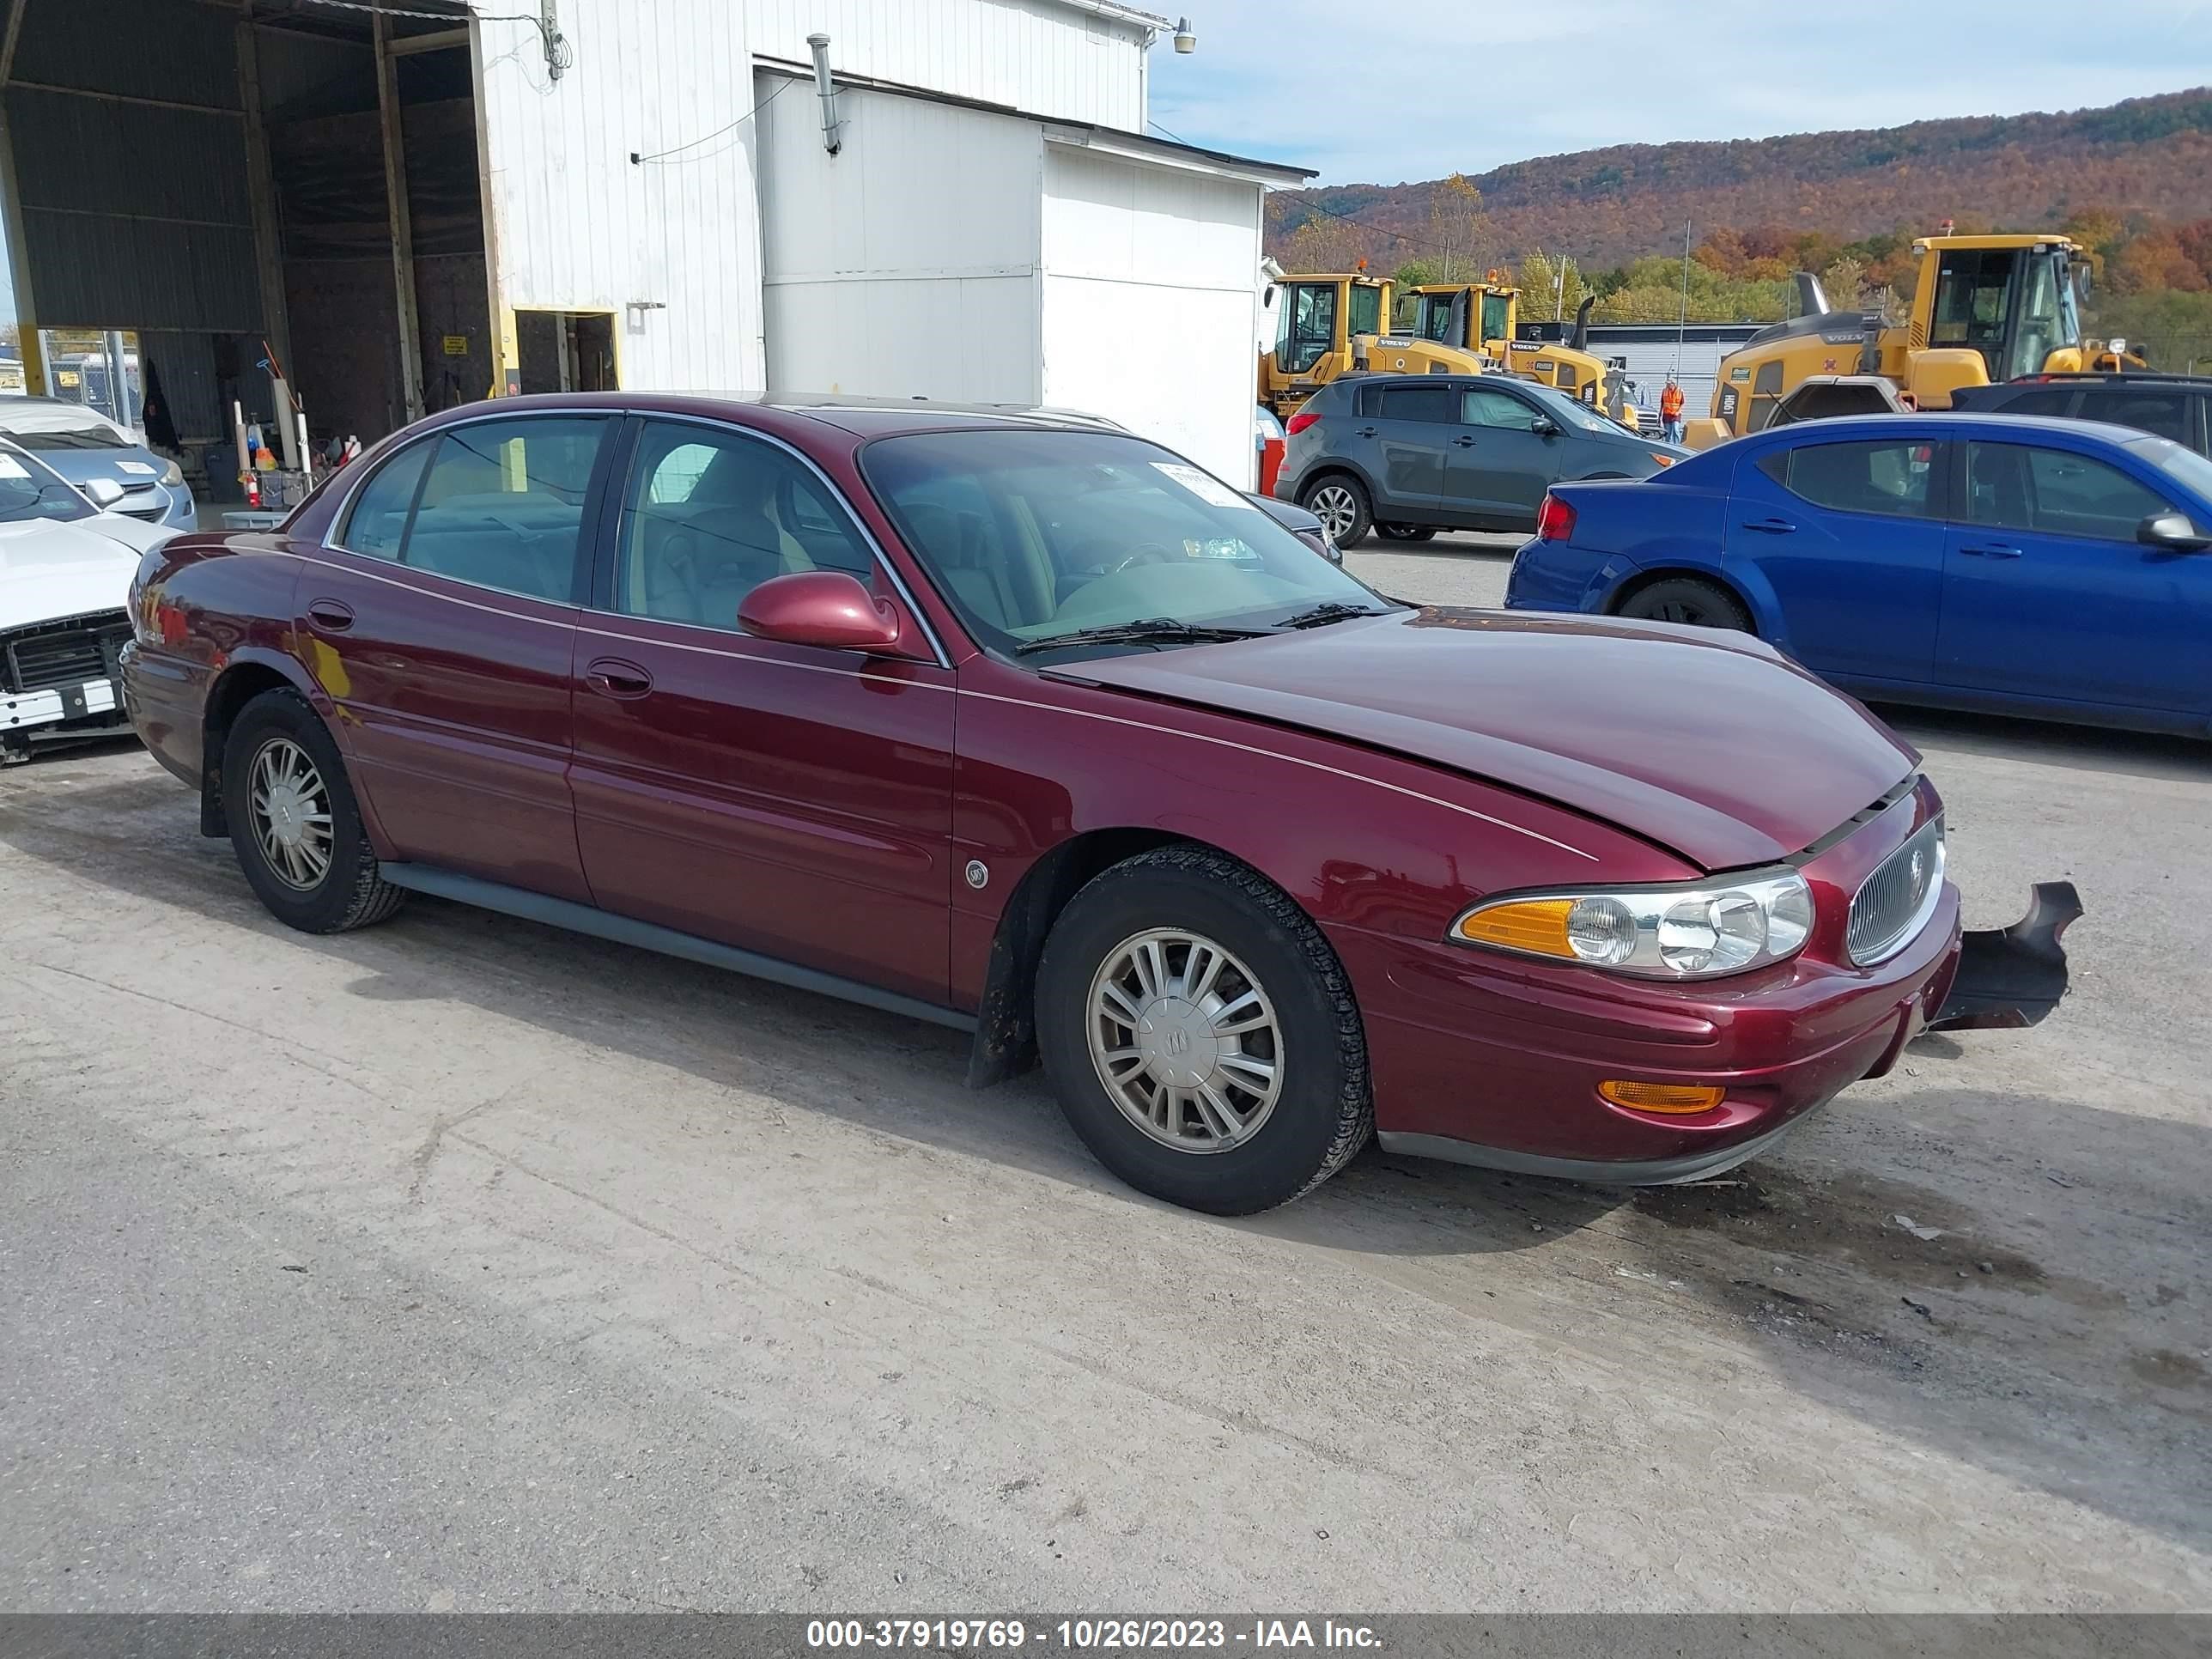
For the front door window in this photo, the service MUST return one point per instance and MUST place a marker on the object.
(1308, 330)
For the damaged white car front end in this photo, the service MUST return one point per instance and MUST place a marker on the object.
(65, 570)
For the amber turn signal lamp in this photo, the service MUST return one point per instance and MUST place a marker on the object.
(1675, 1098)
(1535, 925)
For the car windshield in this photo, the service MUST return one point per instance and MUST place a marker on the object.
(1567, 412)
(2185, 466)
(29, 492)
(46, 426)
(1033, 534)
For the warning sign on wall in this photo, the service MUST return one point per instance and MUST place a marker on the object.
(457, 346)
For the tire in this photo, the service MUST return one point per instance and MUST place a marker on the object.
(1344, 507)
(1406, 532)
(280, 750)
(1303, 1026)
(1686, 599)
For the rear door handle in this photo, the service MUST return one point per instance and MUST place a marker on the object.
(330, 616)
(1995, 552)
(1770, 527)
(1464, 443)
(1363, 432)
(613, 677)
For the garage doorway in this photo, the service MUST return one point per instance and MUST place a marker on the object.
(567, 350)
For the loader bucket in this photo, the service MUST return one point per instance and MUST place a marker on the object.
(2012, 976)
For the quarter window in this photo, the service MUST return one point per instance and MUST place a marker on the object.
(1888, 479)
(378, 525)
(707, 517)
(502, 505)
(2055, 492)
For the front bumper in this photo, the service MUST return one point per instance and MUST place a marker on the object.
(1483, 1057)
(59, 714)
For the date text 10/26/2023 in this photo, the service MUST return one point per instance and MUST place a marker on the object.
(1088, 1635)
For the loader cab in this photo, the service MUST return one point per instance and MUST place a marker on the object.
(2012, 302)
(1466, 317)
(1317, 317)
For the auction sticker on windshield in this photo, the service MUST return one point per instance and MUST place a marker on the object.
(12, 468)
(1206, 487)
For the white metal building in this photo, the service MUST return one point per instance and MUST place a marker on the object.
(410, 204)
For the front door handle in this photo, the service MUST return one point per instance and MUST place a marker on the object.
(614, 676)
(330, 616)
(1992, 552)
(1463, 442)
(1770, 527)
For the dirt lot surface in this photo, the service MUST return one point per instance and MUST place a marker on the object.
(460, 1263)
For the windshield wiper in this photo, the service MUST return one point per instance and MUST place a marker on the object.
(1330, 611)
(1145, 630)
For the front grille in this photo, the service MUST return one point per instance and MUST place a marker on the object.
(1895, 902)
(66, 652)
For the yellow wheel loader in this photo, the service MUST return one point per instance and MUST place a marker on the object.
(1484, 317)
(1987, 308)
(1332, 322)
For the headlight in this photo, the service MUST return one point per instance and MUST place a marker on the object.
(1698, 931)
(173, 474)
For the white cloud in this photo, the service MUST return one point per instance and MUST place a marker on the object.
(1408, 91)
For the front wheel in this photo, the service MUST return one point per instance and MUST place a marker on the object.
(1686, 599)
(1406, 532)
(1341, 504)
(294, 825)
(1200, 1034)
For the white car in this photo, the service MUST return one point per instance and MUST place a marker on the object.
(65, 570)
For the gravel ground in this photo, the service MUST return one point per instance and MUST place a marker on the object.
(458, 1263)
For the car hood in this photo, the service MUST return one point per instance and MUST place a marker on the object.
(1711, 745)
(133, 468)
(50, 569)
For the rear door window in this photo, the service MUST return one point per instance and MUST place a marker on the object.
(1891, 479)
(2055, 492)
(1438, 404)
(2049, 400)
(502, 505)
(2168, 414)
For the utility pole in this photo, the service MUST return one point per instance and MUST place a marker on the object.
(1682, 323)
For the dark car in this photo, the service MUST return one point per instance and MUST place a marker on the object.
(2053, 568)
(1037, 731)
(2176, 406)
(1410, 454)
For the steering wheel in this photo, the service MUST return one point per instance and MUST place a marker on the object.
(1143, 553)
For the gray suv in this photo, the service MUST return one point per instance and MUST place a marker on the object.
(1409, 454)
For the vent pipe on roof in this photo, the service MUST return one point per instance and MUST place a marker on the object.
(828, 92)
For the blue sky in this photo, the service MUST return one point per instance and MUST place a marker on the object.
(1386, 94)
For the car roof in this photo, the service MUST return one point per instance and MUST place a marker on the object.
(859, 417)
(1939, 422)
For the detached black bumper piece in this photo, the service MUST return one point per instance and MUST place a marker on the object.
(2013, 976)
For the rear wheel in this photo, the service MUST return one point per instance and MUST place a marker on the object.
(1200, 1034)
(1686, 599)
(294, 825)
(1341, 504)
(1405, 533)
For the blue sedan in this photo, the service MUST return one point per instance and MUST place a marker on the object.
(2040, 567)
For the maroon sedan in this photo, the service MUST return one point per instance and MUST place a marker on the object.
(1033, 729)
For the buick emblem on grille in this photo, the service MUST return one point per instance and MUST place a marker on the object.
(1919, 870)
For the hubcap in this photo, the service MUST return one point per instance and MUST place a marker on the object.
(291, 814)
(1332, 505)
(1185, 1040)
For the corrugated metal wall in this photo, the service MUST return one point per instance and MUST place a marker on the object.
(906, 265)
(1148, 301)
(578, 227)
(134, 215)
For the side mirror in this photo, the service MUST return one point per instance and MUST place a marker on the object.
(1545, 427)
(2171, 532)
(103, 493)
(827, 608)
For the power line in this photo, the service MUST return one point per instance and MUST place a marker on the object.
(637, 160)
